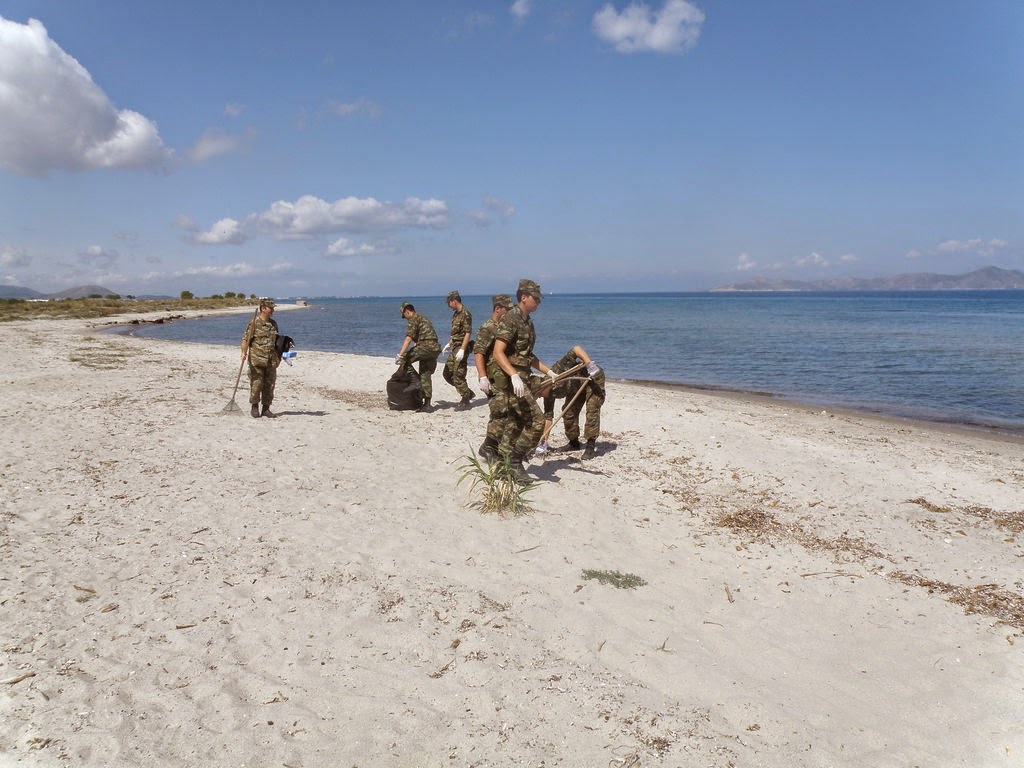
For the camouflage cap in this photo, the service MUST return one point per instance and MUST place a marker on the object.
(453, 296)
(502, 300)
(531, 288)
(406, 305)
(267, 302)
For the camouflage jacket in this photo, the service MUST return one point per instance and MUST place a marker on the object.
(462, 323)
(517, 331)
(569, 387)
(422, 332)
(262, 335)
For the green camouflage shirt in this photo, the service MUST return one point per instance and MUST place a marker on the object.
(422, 332)
(262, 335)
(462, 323)
(517, 331)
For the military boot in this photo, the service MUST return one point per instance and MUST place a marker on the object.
(572, 445)
(517, 471)
(590, 451)
(255, 411)
(489, 452)
(266, 412)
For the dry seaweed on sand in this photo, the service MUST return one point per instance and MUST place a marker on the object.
(984, 599)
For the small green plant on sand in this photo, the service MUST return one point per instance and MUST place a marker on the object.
(497, 490)
(615, 578)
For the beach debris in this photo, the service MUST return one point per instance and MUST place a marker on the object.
(19, 678)
(87, 594)
(984, 599)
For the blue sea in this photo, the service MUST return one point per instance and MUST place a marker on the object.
(943, 356)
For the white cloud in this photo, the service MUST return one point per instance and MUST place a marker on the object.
(811, 260)
(493, 206)
(99, 257)
(53, 116)
(520, 9)
(849, 258)
(224, 232)
(233, 109)
(310, 216)
(973, 246)
(744, 263)
(11, 257)
(238, 269)
(499, 206)
(343, 247)
(673, 29)
(358, 107)
(215, 142)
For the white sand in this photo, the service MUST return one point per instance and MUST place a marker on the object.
(181, 587)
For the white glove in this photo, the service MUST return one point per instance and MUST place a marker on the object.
(552, 374)
(593, 368)
(542, 448)
(399, 360)
(517, 385)
(447, 348)
(459, 355)
(485, 385)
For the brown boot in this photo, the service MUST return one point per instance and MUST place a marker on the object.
(590, 451)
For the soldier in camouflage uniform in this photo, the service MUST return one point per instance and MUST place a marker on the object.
(486, 369)
(513, 354)
(421, 336)
(259, 345)
(459, 348)
(569, 389)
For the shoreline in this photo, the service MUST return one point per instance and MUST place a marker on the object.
(182, 586)
(997, 429)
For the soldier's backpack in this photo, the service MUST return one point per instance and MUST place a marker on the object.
(404, 390)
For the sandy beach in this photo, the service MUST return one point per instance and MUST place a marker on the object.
(184, 587)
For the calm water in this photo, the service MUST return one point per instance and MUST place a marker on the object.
(940, 356)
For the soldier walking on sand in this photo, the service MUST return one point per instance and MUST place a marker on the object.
(259, 344)
(458, 349)
(421, 336)
(513, 354)
(486, 371)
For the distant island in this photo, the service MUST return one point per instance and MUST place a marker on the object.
(984, 279)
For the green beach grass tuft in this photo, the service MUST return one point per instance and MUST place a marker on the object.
(498, 491)
(615, 578)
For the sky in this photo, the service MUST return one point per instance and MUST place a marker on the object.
(412, 147)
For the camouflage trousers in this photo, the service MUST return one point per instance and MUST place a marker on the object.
(427, 358)
(524, 425)
(593, 398)
(497, 404)
(262, 379)
(455, 374)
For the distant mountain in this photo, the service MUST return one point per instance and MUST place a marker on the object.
(78, 292)
(81, 292)
(984, 279)
(17, 292)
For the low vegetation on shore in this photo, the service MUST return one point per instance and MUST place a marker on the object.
(64, 309)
